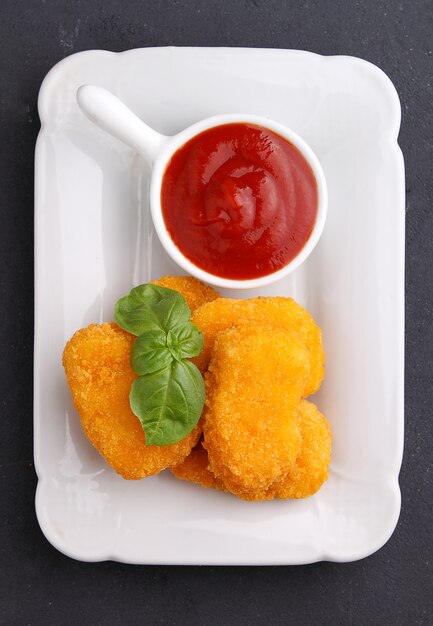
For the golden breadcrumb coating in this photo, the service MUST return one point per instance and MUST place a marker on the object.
(97, 366)
(216, 316)
(195, 292)
(261, 441)
(96, 362)
(306, 477)
(256, 378)
(195, 468)
(311, 468)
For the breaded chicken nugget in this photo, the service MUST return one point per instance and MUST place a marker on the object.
(195, 468)
(195, 292)
(97, 366)
(311, 468)
(306, 477)
(216, 316)
(256, 378)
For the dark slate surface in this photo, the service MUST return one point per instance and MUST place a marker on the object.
(40, 586)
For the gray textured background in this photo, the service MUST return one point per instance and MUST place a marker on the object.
(40, 586)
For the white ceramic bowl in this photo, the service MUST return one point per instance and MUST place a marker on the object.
(109, 113)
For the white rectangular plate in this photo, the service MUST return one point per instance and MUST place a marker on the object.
(94, 241)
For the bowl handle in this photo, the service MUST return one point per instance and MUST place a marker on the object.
(112, 115)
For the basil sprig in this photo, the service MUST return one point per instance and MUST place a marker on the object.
(168, 395)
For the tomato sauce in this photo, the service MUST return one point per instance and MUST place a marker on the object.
(239, 201)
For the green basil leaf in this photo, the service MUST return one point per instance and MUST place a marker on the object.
(172, 311)
(185, 340)
(168, 397)
(138, 311)
(168, 402)
(150, 353)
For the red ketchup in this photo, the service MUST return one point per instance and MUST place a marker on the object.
(239, 201)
